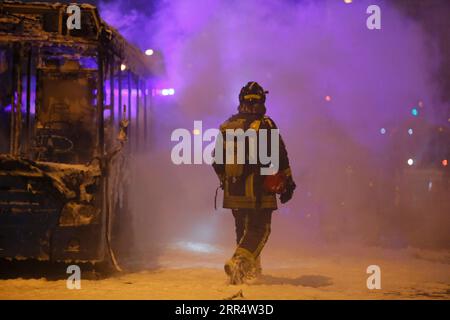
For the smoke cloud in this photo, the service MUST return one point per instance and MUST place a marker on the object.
(333, 85)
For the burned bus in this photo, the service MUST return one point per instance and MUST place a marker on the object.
(67, 127)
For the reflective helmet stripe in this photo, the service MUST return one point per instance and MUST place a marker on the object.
(252, 96)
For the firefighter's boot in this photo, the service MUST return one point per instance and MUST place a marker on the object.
(255, 271)
(239, 266)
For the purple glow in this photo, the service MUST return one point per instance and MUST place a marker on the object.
(302, 52)
(88, 63)
(134, 92)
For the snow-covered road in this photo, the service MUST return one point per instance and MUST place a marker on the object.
(194, 271)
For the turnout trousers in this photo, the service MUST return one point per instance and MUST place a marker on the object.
(252, 231)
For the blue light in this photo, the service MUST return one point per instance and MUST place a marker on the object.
(88, 63)
(382, 130)
(410, 131)
(415, 112)
(168, 92)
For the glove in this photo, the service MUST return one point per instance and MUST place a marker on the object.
(287, 194)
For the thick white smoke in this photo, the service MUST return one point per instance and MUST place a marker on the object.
(301, 51)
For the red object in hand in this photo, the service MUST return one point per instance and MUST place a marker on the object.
(275, 183)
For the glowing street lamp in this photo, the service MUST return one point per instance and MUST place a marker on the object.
(123, 67)
(410, 161)
(149, 52)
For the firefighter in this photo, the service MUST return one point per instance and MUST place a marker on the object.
(249, 194)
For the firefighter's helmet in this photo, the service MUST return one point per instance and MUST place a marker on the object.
(252, 93)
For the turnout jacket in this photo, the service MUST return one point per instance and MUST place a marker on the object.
(245, 190)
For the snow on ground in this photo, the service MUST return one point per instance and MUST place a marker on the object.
(188, 270)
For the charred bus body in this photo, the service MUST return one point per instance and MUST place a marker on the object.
(63, 149)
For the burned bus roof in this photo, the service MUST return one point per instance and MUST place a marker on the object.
(44, 24)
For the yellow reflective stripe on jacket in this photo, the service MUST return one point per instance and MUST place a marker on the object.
(255, 125)
(287, 172)
(249, 186)
(269, 122)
